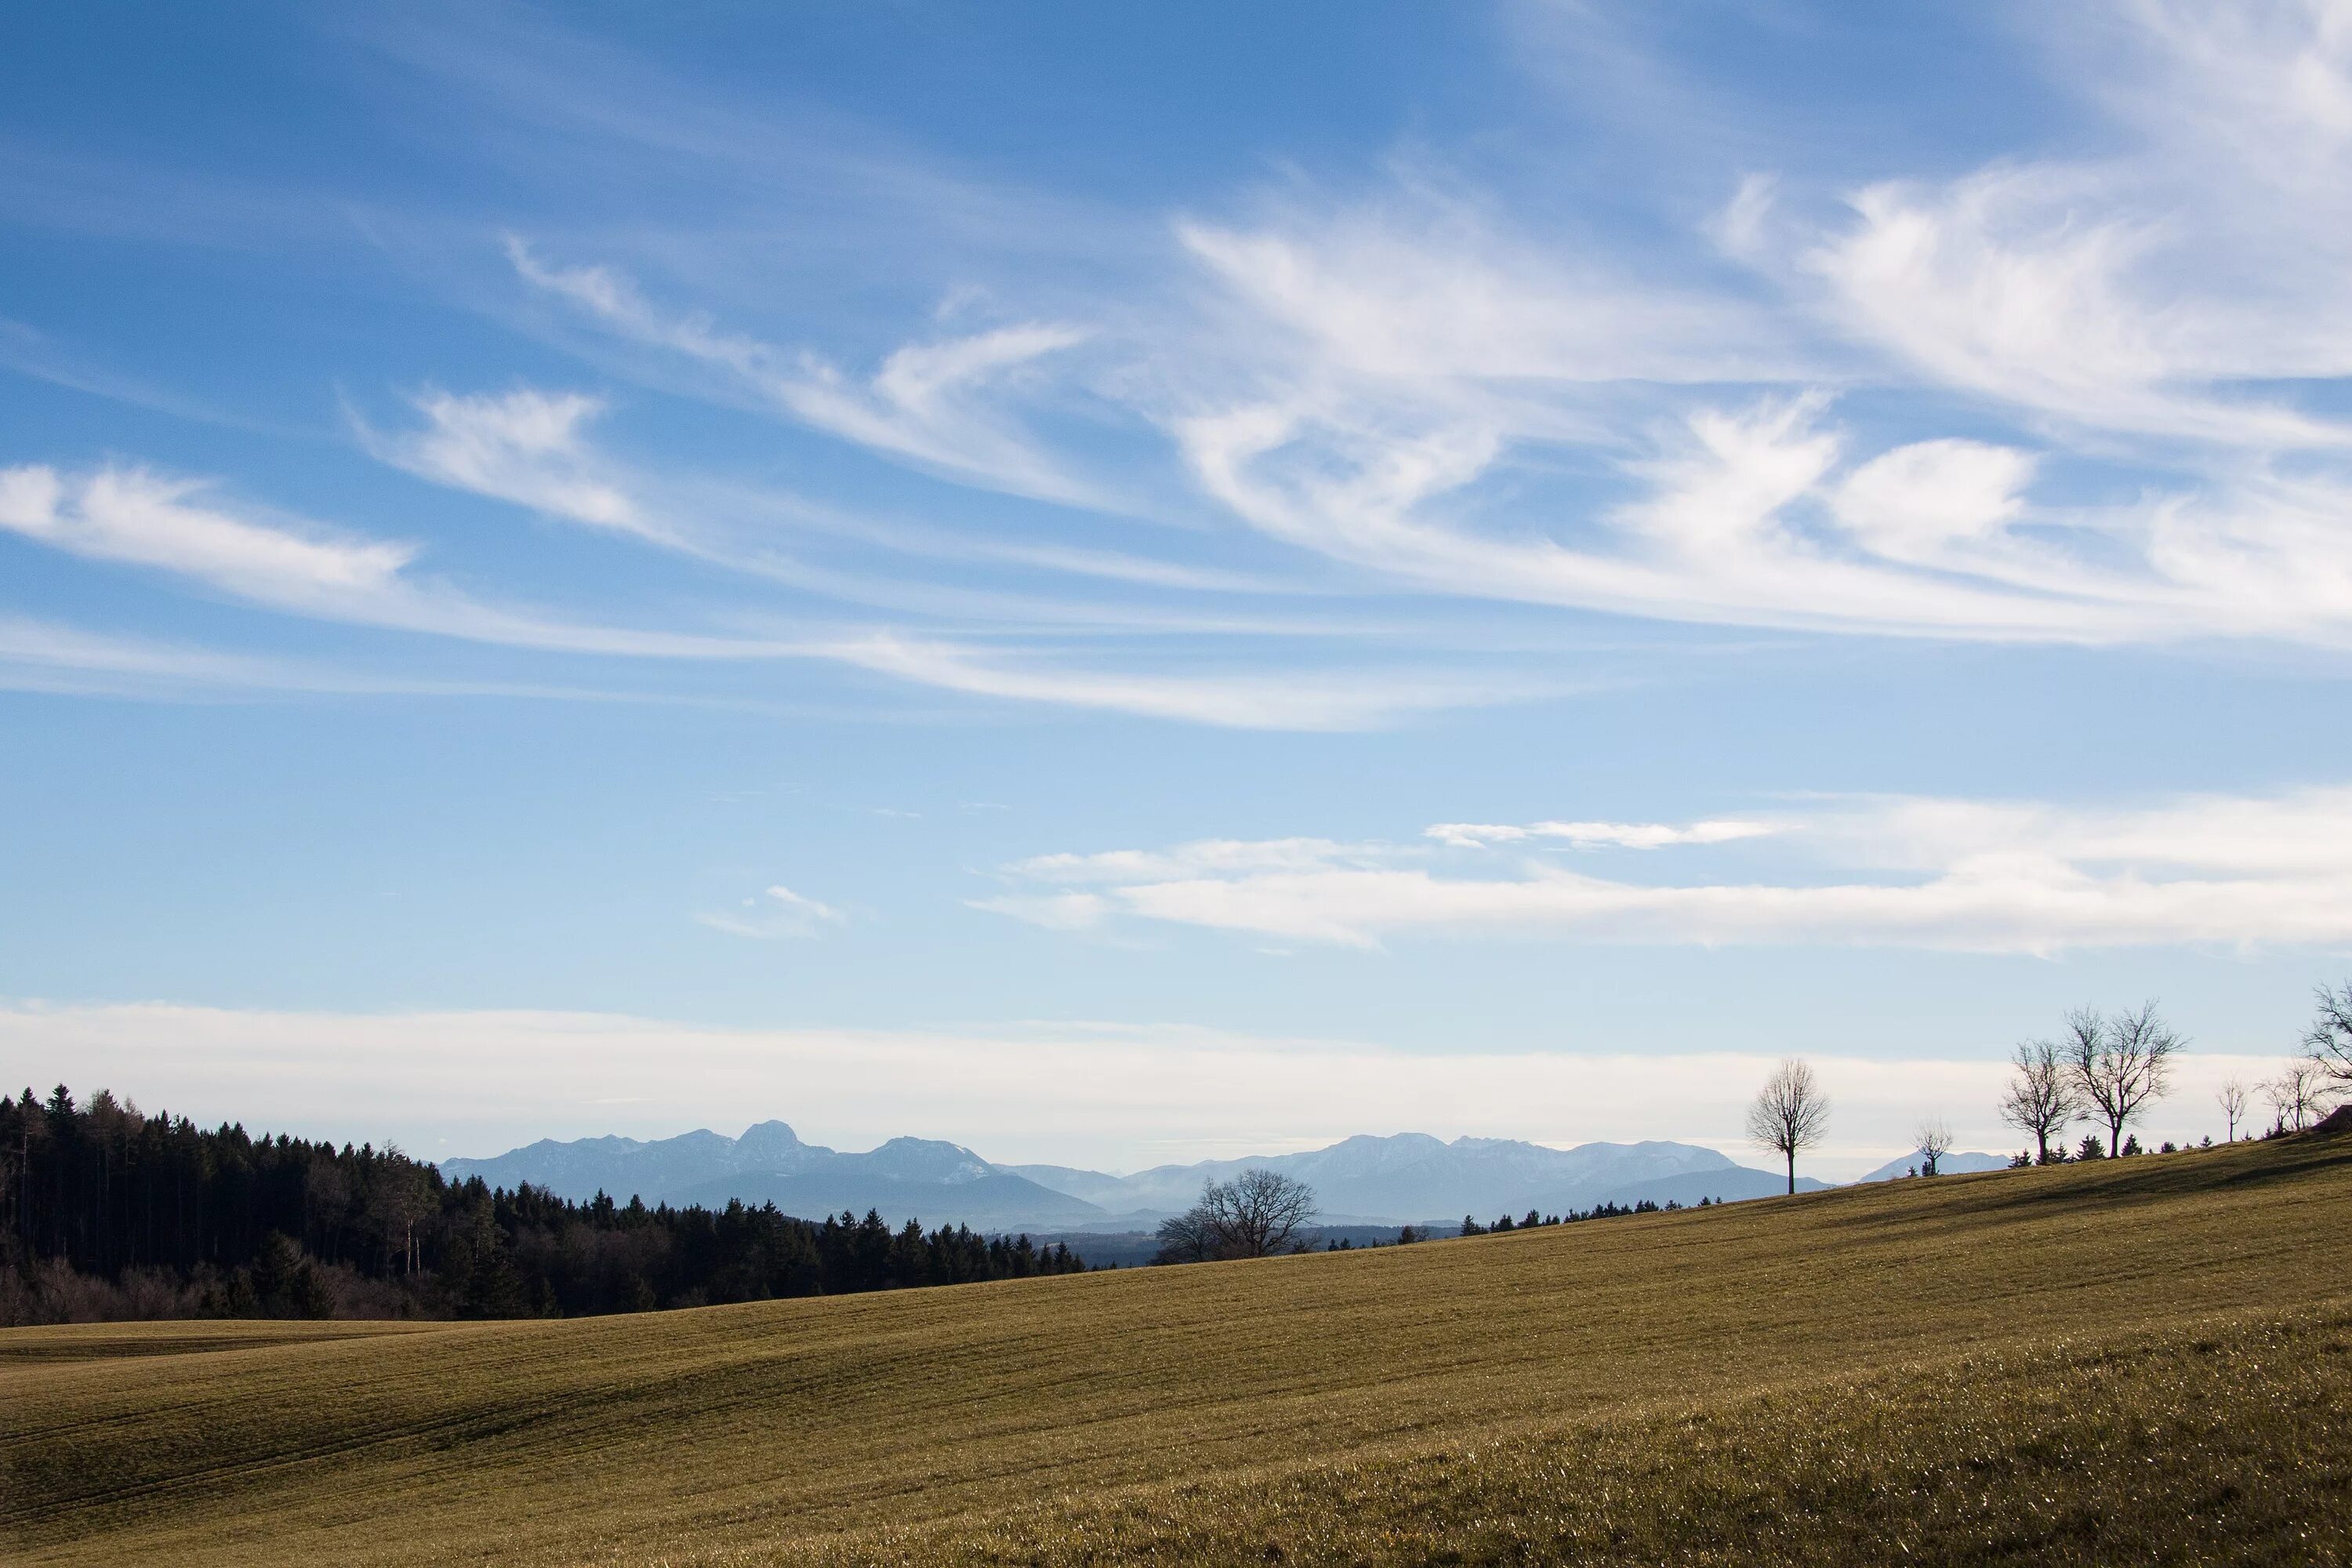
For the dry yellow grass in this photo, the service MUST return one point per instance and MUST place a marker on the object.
(1403, 1404)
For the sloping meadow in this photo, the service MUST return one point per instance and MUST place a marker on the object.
(2141, 1360)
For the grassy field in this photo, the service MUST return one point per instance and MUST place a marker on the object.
(2143, 1360)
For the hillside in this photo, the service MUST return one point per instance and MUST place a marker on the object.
(2136, 1359)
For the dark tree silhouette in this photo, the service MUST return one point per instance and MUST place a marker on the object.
(1790, 1113)
(2040, 1100)
(1187, 1238)
(2298, 1093)
(1256, 1214)
(2231, 1098)
(2118, 1064)
(2328, 1041)
(1934, 1141)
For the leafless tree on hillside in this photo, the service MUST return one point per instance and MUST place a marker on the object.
(2299, 1093)
(1790, 1113)
(2329, 1039)
(1258, 1211)
(1187, 1238)
(1256, 1214)
(2040, 1100)
(2233, 1099)
(1935, 1137)
(2329, 1044)
(2119, 1064)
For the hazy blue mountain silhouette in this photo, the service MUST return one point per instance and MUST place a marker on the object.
(1951, 1165)
(937, 1182)
(1408, 1178)
(1411, 1177)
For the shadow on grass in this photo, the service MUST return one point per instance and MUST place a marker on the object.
(2127, 1183)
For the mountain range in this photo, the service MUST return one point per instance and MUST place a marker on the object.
(1410, 1178)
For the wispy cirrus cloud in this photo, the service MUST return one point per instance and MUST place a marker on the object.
(1301, 700)
(1427, 289)
(533, 447)
(138, 517)
(1415, 375)
(1956, 875)
(938, 403)
(1596, 835)
(524, 445)
(1743, 516)
(1416, 392)
(2002, 284)
(135, 517)
(1392, 385)
(778, 914)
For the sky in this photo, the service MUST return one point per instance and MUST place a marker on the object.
(1122, 585)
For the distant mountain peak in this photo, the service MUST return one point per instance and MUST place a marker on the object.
(765, 1135)
(928, 1159)
(1951, 1164)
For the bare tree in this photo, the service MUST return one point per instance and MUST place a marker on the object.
(2041, 1099)
(2329, 1039)
(1257, 1213)
(2299, 1093)
(2233, 1099)
(2119, 1064)
(1790, 1113)
(397, 1198)
(1935, 1136)
(1187, 1238)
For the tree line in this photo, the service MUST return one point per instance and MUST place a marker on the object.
(1261, 1212)
(2103, 1070)
(109, 1213)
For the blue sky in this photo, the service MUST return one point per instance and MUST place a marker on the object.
(1117, 585)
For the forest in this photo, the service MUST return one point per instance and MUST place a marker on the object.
(107, 1213)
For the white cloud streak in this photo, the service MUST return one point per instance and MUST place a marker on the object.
(530, 447)
(935, 403)
(526, 447)
(1298, 702)
(1998, 285)
(782, 915)
(1434, 294)
(1965, 876)
(1596, 835)
(138, 517)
